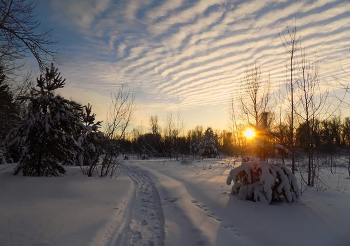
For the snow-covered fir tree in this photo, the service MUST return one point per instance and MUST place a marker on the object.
(90, 140)
(208, 146)
(194, 144)
(45, 133)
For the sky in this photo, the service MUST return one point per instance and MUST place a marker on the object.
(187, 57)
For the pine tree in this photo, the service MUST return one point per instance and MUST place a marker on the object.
(8, 107)
(194, 144)
(91, 141)
(45, 133)
(208, 146)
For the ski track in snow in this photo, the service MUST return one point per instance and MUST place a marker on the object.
(189, 220)
(144, 223)
(167, 213)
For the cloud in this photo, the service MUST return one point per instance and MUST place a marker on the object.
(183, 17)
(182, 54)
(163, 9)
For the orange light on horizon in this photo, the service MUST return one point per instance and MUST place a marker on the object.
(249, 133)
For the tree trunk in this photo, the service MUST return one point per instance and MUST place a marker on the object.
(349, 166)
(309, 169)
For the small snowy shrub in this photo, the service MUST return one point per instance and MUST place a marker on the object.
(144, 156)
(260, 181)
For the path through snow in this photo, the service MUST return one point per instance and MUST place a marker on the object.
(144, 220)
(184, 216)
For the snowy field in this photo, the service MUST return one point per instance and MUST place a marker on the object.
(162, 202)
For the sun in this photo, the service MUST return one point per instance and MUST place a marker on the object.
(249, 133)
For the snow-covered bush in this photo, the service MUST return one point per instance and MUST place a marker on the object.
(45, 134)
(186, 159)
(260, 181)
(144, 156)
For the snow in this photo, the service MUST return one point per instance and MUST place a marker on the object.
(69, 210)
(162, 202)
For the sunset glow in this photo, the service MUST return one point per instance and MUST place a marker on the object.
(249, 133)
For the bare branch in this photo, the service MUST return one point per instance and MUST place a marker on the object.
(19, 34)
(120, 114)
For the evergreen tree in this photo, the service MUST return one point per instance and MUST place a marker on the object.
(45, 133)
(194, 144)
(8, 107)
(91, 141)
(208, 146)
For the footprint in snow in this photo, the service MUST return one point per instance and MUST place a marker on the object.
(136, 236)
(204, 208)
(232, 228)
(149, 243)
(168, 201)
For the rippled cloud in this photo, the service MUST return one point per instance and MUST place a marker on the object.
(183, 55)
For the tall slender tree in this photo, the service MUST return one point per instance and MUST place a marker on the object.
(311, 105)
(291, 43)
(255, 95)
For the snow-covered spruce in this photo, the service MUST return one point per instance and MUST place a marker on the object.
(90, 142)
(260, 181)
(208, 146)
(45, 134)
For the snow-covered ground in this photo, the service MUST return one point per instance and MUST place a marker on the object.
(162, 202)
(70, 210)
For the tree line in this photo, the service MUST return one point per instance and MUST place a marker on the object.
(329, 135)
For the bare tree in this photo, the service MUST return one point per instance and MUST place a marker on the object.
(311, 104)
(152, 142)
(255, 94)
(119, 117)
(120, 114)
(346, 137)
(233, 122)
(174, 128)
(291, 43)
(155, 128)
(19, 34)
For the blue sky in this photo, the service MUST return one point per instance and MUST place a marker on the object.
(186, 56)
